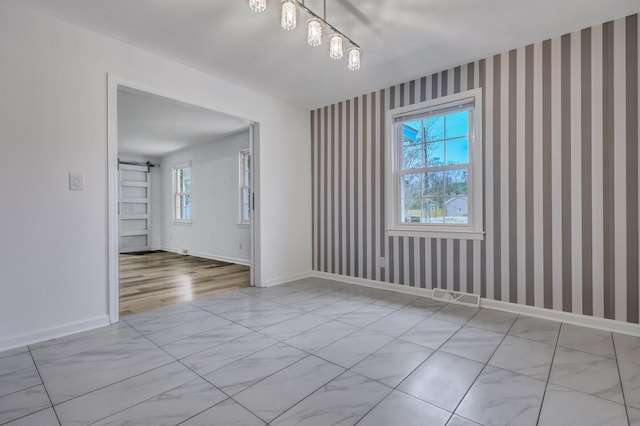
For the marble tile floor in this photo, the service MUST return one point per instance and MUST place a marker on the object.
(320, 352)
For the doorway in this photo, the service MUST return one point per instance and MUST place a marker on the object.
(158, 144)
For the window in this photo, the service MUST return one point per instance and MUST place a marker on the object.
(182, 192)
(434, 176)
(245, 187)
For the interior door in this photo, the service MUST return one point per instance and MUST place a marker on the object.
(134, 208)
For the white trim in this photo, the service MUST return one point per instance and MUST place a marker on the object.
(53, 332)
(113, 82)
(532, 311)
(474, 230)
(399, 288)
(444, 233)
(241, 220)
(112, 198)
(566, 317)
(287, 279)
(174, 173)
(220, 258)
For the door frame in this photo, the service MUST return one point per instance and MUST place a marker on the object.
(113, 84)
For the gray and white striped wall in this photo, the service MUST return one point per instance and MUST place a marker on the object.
(561, 179)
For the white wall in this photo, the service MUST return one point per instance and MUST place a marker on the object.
(155, 198)
(214, 231)
(53, 120)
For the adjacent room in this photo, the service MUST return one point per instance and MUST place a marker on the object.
(169, 250)
(320, 212)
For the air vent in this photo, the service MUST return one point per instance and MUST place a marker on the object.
(456, 297)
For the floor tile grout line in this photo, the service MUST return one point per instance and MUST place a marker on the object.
(114, 383)
(60, 358)
(313, 354)
(120, 381)
(30, 414)
(546, 385)
(419, 365)
(168, 390)
(232, 396)
(362, 328)
(485, 364)
(23, 389)
(346, 370)
(394, 308)
(44, 386)
(215, 405)
(624, 399)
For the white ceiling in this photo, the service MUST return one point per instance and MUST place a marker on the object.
(154, 126)
(404, 39)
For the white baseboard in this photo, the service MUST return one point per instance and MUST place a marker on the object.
(566, 317)
(210, 256)
(53, 332)
(416, 291)
(532, 311)
(287, 279)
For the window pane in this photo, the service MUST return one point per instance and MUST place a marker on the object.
(457, 210)
(433, 184)
(456, 182)
(457, 124)
(434, 128)
(412, 157)
(434, 212)
(412, 210)
(411, 133)
(435, 154)
(412, 185)
(458, 151)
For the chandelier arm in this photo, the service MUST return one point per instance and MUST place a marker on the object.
(315, 15)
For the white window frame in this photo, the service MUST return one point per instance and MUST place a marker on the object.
(242, 187)
(176, 193)
(474, 230)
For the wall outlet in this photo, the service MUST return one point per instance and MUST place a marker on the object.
(76, 181)
(381, 262)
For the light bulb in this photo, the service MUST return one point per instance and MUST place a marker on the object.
(335, 46)
(289, 14)
(258, 5)
(314, 32)
(354, 58)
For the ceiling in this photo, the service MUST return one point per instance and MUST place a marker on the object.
(154, 126)
(401, 39)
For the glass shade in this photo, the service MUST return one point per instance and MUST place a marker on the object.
(314, 32)
(289, 14)
(335, 46)
(354, 58)
(258, 5)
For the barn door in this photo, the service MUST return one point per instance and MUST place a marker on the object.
(133, 208)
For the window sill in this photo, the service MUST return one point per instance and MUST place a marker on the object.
(180, 223)
(448, 233)
(244, 225)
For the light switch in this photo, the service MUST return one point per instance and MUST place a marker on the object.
(76, 181)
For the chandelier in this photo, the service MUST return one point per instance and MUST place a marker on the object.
(289, 12)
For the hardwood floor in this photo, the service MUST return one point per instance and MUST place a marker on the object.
(155, 279)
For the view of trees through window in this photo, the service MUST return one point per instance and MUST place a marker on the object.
(435, 168)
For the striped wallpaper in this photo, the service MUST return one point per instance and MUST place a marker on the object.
(560, 173)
